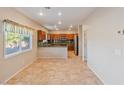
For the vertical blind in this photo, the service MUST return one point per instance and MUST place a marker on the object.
(11, 26)
(18, 37)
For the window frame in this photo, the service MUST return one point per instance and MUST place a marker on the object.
(6, 56)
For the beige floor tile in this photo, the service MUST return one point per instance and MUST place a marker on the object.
(56, 72)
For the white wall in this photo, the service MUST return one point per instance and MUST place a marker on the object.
(81, 41)
(82, 31)
(105, 45)
(10, 66)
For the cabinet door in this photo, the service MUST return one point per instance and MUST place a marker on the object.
(41, 35)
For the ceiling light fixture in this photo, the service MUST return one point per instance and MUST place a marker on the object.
(57, 29)
(41, 13)
(59, 22)
(71, 26)
(69, 29)
(59, 13)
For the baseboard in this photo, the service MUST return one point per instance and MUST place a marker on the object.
(4, 82)
(96, 74)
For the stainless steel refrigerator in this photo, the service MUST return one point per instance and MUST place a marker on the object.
(76, 44)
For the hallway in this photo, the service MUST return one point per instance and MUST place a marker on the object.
(56, 72)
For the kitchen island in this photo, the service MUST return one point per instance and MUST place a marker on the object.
(55, 45)
(53, 52)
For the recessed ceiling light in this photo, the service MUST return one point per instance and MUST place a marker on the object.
(71, 26)
(69, 29)
(41, 13)
(59, 13)
(57, 29)
(59, 22)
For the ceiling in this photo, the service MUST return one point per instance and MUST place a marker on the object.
(50, 18)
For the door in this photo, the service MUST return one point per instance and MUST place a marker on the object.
(76, 44)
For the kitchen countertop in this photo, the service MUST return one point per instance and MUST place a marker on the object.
(54, 45)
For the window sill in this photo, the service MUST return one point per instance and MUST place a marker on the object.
(16, 54)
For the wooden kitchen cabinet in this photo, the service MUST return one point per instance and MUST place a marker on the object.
(62, 36)
(41, 35)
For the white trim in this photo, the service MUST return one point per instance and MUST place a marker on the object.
(17, 53)
(20, 50)
(4, 82)
(96, 74)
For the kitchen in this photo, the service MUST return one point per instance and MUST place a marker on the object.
(56, 44)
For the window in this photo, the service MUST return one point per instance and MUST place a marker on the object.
(25, 42)
(17, 38)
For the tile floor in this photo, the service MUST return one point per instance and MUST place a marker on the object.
(56, 72)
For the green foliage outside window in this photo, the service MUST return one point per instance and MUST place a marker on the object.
(12, 37)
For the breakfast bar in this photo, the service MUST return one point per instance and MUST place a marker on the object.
(53, 52)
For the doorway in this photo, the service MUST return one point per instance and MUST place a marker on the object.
(85, 46)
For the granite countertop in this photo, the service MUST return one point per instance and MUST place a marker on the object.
(53, 45)
(56, 44)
